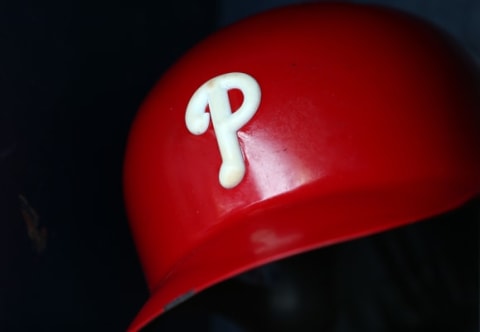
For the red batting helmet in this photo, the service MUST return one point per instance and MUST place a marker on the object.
(291, 130)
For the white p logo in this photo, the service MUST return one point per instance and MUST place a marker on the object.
(214, 93)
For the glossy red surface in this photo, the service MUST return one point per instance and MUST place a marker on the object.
(366, 122)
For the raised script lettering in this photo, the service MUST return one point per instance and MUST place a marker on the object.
(214, 93)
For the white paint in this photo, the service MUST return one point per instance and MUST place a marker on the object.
(214, 93)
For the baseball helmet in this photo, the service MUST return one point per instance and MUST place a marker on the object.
(292, 130)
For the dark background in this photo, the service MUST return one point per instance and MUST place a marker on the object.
(72, 75)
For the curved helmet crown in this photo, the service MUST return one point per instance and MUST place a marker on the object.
(291, 130)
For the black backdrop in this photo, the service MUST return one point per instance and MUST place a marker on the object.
(73, 74)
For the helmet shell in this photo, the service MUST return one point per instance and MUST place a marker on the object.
(364, 119)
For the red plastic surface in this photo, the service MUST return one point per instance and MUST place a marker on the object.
(368, 120)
